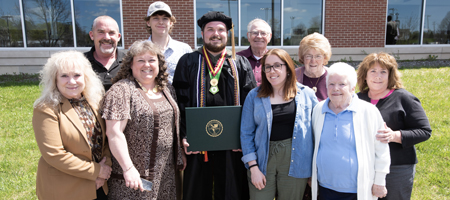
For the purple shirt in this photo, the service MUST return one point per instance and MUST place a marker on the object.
(256, 64)
(320, 83)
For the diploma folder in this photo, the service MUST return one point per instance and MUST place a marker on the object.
(213, 128)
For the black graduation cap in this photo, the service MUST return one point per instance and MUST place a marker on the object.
(215, 16)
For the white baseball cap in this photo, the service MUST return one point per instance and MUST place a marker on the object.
(158, 6)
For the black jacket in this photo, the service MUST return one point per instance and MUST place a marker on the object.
(402, 111)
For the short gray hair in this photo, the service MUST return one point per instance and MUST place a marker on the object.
(267, 26)
(345, 69)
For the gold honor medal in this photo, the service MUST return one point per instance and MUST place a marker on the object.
(214, 82)
(214, 89)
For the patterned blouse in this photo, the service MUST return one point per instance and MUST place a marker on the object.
(90, 123)
(152, 139)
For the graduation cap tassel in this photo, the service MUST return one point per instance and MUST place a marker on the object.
(233, 51)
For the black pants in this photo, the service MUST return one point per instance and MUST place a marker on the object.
(327, 194)
(101, 194)
(223, 176)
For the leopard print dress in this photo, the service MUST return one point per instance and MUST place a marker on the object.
(150, 138)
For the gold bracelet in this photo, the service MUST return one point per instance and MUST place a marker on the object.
(128, 169)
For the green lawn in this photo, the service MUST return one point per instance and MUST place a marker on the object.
(432, 87)
(19, 153)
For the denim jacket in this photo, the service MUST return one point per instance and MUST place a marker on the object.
(256, 127)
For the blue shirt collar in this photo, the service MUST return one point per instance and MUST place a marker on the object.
(353, 107)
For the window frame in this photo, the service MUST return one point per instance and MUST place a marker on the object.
(25, 46)
(422, 26)
(238, 43)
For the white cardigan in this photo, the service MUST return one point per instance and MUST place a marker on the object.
(373, 156)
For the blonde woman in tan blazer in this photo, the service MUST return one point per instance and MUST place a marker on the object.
(69, 131)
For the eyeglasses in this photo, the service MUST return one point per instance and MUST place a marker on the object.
(256, 33)
(269, 68)
(317, 57)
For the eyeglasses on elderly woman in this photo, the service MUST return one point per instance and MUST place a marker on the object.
(276, 66)
(316, 57)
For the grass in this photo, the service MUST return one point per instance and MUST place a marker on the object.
(432, 86)
(19, 153)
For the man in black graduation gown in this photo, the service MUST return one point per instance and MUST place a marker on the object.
(210, 77)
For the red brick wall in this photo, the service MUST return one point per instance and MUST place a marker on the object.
(348, 23)
(134, 26)
(355, 23)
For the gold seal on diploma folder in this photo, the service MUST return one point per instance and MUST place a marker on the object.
(214, 128)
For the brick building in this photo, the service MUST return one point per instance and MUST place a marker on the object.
(353, 27)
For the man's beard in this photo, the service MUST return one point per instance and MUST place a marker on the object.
(215, 48)
(107, 51)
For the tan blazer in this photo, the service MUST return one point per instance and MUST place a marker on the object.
(65, 169)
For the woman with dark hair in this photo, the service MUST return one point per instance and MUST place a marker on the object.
(142, 123)
(276, 135)
(407, 124)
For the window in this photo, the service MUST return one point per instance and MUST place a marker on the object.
(227, 7)
(10, 24)
(436, 28)
(290, 20)
(419, 22)
(301, 18)
(268, 10)
(48, 23)
(85, 13)
(407, 16)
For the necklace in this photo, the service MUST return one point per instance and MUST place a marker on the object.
(154, 90)
(315, 85)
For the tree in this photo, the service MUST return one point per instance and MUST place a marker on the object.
(315, 24)
(409, 30)
(444, 29)
(10, 27)
(49, 21)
